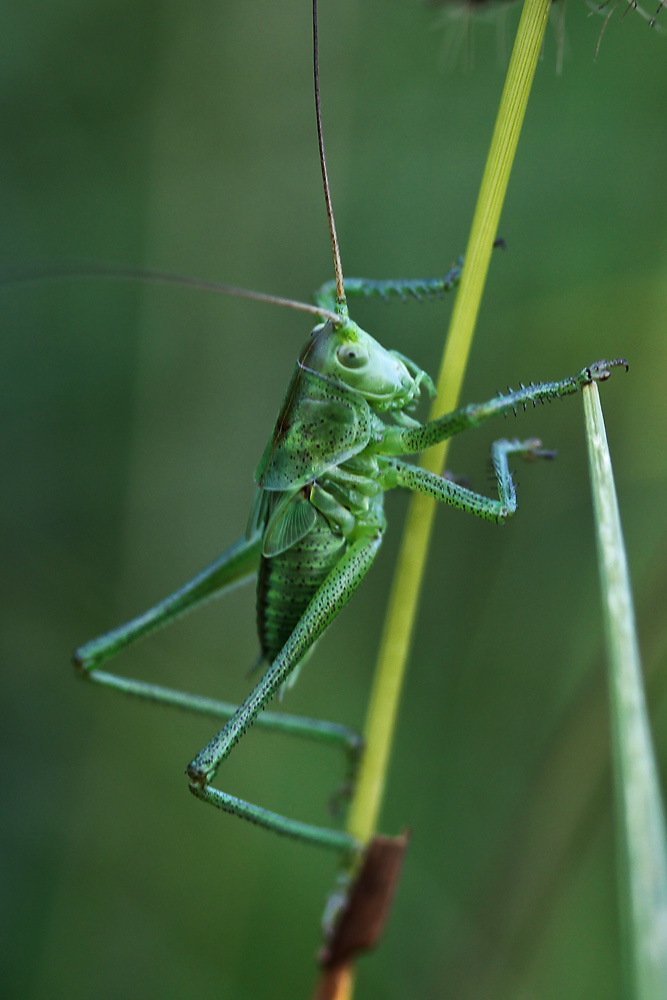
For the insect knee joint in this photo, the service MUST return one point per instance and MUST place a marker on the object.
(198, 779)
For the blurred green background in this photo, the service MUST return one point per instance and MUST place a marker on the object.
(182, 136)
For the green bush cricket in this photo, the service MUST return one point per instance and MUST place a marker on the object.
(317, 520)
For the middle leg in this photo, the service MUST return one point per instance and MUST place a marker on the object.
(412, 477)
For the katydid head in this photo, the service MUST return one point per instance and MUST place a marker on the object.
(344, 352)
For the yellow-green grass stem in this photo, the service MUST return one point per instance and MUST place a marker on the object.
(642, 838)
(395, 643)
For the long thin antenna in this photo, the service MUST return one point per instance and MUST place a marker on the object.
(59, 271)
(338, 270)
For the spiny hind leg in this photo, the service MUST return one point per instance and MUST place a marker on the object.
(328, 601)
(235, 566)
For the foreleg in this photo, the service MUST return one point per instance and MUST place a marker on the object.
(407, 441)
(401, 288)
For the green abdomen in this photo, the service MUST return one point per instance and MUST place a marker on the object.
(286, 583)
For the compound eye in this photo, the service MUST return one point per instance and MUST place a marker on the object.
(352, 356)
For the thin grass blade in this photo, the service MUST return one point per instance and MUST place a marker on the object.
(642, 837)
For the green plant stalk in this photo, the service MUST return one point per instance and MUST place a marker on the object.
(642, 858)
(395, 643)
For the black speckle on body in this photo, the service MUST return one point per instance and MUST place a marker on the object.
(287, 583)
